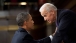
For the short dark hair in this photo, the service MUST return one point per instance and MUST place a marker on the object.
(21, 17)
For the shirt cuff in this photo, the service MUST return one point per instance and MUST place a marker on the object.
(51, 37)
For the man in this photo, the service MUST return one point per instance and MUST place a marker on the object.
(65, 23)
(22, 35)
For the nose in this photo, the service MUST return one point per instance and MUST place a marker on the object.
(32, 21)
(45, 18)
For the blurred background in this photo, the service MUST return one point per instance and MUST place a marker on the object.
(10, 8)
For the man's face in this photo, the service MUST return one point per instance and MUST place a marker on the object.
(30, 23)
(48, 16)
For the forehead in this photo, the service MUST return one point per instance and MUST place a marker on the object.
(43, 12)
(30, 16)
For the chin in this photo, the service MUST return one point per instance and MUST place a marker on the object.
(50, 22)
(32, 27)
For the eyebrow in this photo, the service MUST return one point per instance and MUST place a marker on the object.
(44, 14)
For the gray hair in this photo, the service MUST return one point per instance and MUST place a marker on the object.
(48, 7)
(21, 17)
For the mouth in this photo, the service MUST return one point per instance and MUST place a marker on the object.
(49, 21)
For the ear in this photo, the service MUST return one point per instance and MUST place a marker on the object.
(25, 23)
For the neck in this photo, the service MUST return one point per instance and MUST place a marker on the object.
(27, 29)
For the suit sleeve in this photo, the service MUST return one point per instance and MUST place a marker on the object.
(64, 24)
(45, 40)
(28, 39)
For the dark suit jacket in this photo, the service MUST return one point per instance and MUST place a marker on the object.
(22, 36)
(66, 24)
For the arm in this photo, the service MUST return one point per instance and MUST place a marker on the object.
(31, 40)
(45, 40)
(65, 23)
(54, 34)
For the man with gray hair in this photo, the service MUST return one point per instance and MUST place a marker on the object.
(65, 22)
(26, 24)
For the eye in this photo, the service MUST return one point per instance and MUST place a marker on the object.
(44, 15)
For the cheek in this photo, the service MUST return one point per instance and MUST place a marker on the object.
(30, 23)
(50, 17)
